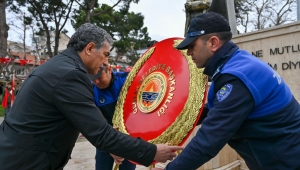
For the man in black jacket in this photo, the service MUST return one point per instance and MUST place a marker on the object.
(56, 102)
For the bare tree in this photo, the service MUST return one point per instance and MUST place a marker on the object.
(261, 9)
(19, 24)
(57, 13)
(242, 11)
(260, 14)
(47, 12)
(3, 29)
(282, 12)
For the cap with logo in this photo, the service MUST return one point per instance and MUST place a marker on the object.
(206, 23)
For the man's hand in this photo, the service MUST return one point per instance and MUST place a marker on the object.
(157, 169)
(165, 152)
(118, 160)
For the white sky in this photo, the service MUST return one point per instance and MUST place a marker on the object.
(163, 18)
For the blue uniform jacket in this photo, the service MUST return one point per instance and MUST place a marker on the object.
(250, 108)
(106, 99)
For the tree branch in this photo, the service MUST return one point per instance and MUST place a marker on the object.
(82, 6)
(67, 16)
(103, 12)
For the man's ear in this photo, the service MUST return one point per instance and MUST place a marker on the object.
(214, 43)
(88, 49)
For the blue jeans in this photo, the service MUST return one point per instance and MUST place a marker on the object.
(105, 162)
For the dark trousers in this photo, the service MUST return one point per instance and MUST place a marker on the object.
(105, 162)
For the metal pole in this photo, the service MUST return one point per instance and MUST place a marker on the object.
(231, 16)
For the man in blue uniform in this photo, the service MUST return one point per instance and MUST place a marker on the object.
(107, 86)
(250, 107)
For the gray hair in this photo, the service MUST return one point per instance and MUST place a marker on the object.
(87, 33)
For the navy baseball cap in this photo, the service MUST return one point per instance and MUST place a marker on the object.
(206, 23)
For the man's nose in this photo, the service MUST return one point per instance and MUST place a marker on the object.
(105, 63)
(105, 60)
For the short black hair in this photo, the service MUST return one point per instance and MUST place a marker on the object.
(224, 36)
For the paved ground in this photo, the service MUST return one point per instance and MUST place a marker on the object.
(1, 119)
(83, 157)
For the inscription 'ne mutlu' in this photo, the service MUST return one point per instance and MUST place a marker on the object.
(285, 49)
(278, 51)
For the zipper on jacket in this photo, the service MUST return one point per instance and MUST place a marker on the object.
(256, 160)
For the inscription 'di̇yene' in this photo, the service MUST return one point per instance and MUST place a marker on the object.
(146, 97)
(285, 50)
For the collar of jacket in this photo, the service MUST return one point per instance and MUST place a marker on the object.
(70, 52)
(222, 55)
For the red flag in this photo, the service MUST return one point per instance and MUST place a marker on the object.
(9, 95)
(5, 98)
